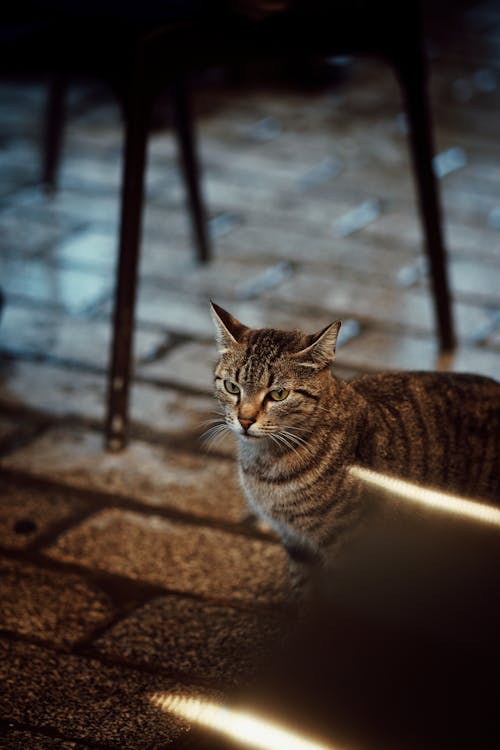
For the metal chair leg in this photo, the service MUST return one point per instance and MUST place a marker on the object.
(413, 79)
(132, 198)
(187, 150)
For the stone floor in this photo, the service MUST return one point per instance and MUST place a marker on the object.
(126, 574)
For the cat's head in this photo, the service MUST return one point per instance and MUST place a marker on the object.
(268, 381)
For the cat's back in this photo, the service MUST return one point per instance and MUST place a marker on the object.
(438, 428)
(397, 385)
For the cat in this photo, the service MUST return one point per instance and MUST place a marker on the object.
(301, 429)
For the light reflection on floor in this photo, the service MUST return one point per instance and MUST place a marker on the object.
(472, 510)
(242, 726)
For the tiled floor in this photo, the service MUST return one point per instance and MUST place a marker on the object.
(115, 568)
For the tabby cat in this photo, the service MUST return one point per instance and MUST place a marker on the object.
(300, 430)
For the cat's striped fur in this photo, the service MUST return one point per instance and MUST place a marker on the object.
(442, 430)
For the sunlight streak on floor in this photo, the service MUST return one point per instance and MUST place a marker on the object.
(435, 499)
(241, 726)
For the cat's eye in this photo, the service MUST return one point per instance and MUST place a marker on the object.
(231, 387)
(279, 394)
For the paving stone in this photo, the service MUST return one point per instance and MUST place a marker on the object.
(188, 365)
(26, 329)
(380, 350)
(407, 307)
(226, 277)
(61, 288)
(476, 360)
(35, 238)
(254, 198)
(61, 392)
(41, 331)
(494, 338)
(27, 512)
(411, 308)
(180, 557)
(70, 207)
(100, 168)
(222, 646)
(92, 247)
(152, 474)
(260, 237)
(176, 311)
(403, 231)
(166, 253)
(478, 279)
(91, 173)
(15, 739)
(52, 390)
(83, 699)
(53, 606)
(189, 315)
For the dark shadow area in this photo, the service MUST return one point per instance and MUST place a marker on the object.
(402, 651)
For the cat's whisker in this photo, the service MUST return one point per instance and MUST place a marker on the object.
(213, 434)
(221, 416)
(208, 439)
(220, 423)
(211, 444)
(286, 441)
(282, 442)
(297, 440)
(291, 436)
(214, 420)
(299, 445)
(275, 434)
(274, 439)
(290, 431)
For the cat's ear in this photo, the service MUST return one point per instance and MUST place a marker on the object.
(320, 351)
(228, 330)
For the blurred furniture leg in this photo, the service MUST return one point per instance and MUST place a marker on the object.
(137, 108)
(54, 130)
(412, 72)
(189, 163)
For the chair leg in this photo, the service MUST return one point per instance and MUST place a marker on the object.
(132, 198)
(412, 75)
(54, 130)
(187, 150)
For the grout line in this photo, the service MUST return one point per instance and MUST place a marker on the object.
(23, 436)
(98, 500)
(48, 732)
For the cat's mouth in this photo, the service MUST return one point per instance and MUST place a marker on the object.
(249, 436)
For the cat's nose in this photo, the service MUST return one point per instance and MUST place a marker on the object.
(245, 423)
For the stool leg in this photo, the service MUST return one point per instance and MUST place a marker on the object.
(187, 150)
(132, 197)
(413, 82)
(54, 129)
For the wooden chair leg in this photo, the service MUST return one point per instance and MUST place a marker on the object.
(413, 79)
(137, 115)
(54, 130)
(188, 158)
